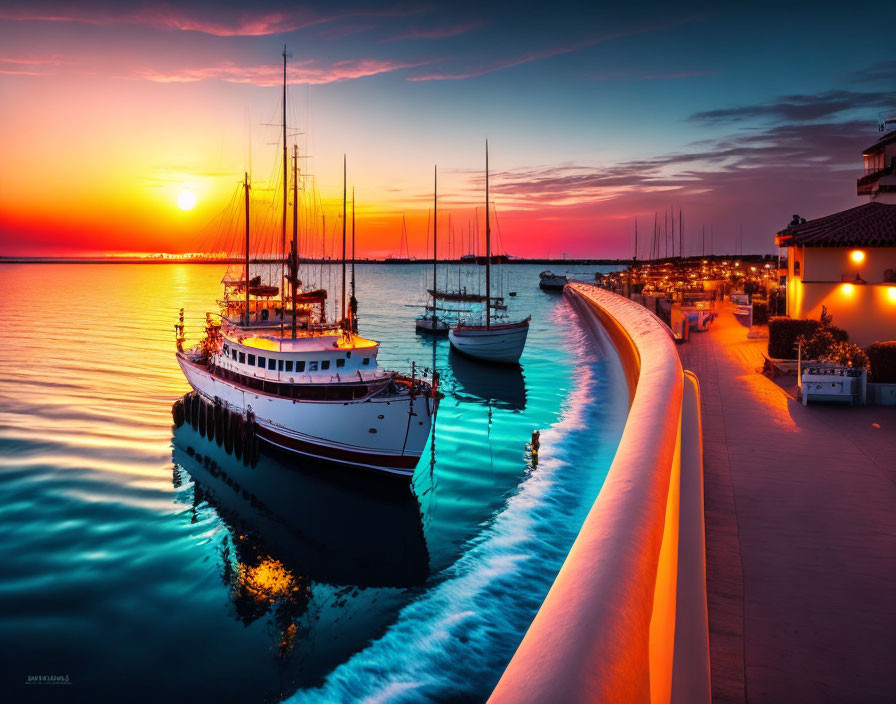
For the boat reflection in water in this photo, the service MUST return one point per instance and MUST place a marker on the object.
(495, 386)
(297, 531)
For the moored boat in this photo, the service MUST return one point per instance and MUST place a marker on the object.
(429, 323)
(549, 281)
(304, 384)
(489, 339)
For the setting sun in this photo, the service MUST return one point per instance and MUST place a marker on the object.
(186, 199)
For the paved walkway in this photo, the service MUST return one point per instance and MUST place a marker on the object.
(800, 534)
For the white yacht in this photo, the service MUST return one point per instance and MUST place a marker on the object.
(302, 383)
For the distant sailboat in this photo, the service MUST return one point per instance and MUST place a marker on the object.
(429, 322)
(486, 339)
(404, 250)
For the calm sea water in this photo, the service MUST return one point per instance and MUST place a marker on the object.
(145, 564)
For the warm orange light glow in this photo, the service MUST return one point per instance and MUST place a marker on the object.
(186, 199)
(848, 289)
(857, 255)
(891, 293)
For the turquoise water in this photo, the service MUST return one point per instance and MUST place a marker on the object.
(145, 563)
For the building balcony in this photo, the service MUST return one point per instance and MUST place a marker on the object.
(865, 184)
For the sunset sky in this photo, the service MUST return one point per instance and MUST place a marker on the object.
(739, 117)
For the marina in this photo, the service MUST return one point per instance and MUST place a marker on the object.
(438, 354)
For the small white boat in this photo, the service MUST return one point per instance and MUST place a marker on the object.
(549, 281)
(487, 338)
(498, 342)
(430, 324)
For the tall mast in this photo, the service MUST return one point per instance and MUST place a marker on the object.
(353, 241)
(246, 188)
(285, 186)
(636, 238)
(488, 250)
(344, 194)
(294, 254)
(353, 302)
(435, 238)
(680, 236)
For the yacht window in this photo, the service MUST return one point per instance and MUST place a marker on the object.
(242, 357)
(262, 362)
(348, 355)
(251, 360)
(272, 363)
(312, 366)
(225, 348)
(289, 365)
(279, 365)
(300, 365)
(366, 361)
(340, 362)
(233, 353)
(325, 364)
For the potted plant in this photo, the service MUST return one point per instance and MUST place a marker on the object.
(841, 372)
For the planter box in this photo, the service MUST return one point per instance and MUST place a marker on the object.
(833, 383)
(882, 394)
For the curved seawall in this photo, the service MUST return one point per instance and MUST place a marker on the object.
(625, 619)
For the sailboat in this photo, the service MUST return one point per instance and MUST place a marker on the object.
(404, 250)
(429, 322)
(276, 368)
(490, 340)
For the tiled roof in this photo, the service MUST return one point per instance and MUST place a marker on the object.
(868, 225)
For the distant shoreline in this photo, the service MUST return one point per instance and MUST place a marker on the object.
(549, 262)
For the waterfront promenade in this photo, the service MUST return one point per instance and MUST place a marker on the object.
(800, 534)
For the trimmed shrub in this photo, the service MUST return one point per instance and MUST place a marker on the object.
(882, 358)
(783, 333)
(760, 313)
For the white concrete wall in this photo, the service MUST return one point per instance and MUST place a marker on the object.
(626, 620)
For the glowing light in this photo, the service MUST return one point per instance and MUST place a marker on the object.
(186, 199)
(848, 289)
(857, 255)
(891, 293)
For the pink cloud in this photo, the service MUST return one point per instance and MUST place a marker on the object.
(53, 60)
(307, 71)
(165, 16)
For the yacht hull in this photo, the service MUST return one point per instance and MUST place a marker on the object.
(499, 344)
(386, 434)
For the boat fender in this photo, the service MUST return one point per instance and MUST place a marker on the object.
(202, 419)
(238, 436)
(219, 422)
(228, 431)
(177, 413)
(209, 421)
